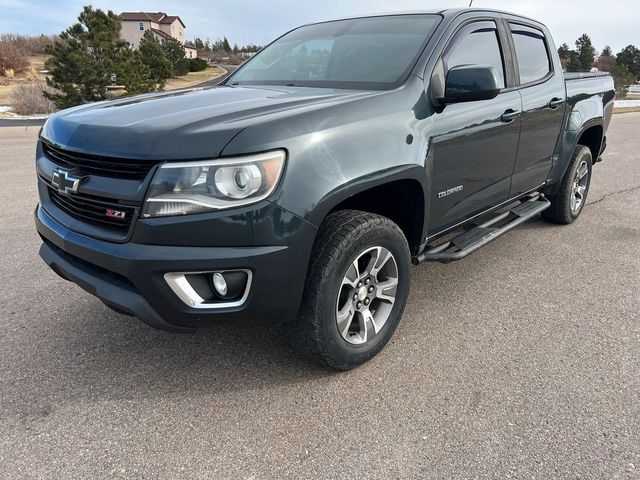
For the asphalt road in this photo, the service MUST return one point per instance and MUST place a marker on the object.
(521, 361)
(229, 68)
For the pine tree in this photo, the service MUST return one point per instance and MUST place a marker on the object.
(153, 56)
(91, 51)
(606, 62)
(225, 45)
(630, 57)
(564, 51)
(174, 51)
(136, 76)
(586, 52)
(622, 78)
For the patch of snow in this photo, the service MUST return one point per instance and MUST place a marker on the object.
(5, 108)
(8, 115)
(627, 103)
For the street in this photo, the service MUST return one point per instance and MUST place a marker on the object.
(521, 361)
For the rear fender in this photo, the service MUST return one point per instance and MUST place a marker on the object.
(585, 114)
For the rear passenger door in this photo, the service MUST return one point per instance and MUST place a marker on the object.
(541, 85)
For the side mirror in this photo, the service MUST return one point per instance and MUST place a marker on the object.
(468, 83)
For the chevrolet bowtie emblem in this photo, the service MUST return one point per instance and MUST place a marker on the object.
(65, 182)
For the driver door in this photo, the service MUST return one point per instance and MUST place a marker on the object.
(473, 145)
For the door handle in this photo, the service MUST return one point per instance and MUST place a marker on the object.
(509, 116)
(555, 103)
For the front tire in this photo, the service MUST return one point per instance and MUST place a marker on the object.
(355, 292)
(571, 196)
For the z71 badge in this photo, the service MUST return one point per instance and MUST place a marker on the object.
(115, 214)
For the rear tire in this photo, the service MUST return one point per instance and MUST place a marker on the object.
(355, 292)
(570, 198)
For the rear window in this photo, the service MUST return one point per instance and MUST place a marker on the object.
(531, 52)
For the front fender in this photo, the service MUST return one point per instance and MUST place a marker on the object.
(343, 149)
(346, 190)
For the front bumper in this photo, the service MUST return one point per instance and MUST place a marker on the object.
(130, 276)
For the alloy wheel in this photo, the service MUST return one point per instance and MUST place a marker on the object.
(367, 294)
(579, 190)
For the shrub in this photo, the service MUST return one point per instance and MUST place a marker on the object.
(12, 57)
(197, 64)
(622, 78)
(39, 44)
(27, 99)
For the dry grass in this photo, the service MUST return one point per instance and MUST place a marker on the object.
(27, 99)
(31, 75)
(194, 78)
(626, 110)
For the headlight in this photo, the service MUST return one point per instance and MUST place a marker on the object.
(180, 188)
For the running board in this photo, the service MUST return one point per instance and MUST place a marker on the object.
(471, 240)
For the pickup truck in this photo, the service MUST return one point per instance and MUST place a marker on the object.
(299, 191)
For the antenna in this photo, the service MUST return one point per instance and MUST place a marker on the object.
(470, 3)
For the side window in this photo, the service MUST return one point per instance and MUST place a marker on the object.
(141, 26)
(476, 44)
(531, 52)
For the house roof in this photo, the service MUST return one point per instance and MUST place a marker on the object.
(161, 33)
(171, 18)
(190, 45)
(157, 17)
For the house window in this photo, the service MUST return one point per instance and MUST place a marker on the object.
(141, 26)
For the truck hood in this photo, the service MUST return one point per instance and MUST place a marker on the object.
(185, 124)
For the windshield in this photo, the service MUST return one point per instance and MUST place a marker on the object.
(369, 53)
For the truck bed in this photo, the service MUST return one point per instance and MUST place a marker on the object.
(568, 76)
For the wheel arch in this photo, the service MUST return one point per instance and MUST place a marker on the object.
(591, 132)
(592, 137)
(399, 196)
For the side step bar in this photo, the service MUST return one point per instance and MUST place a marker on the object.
(471, 240)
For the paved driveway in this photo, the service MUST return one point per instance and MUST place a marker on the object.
(521, 361)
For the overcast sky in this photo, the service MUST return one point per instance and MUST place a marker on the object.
(613, 22)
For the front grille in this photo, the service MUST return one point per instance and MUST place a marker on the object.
(94, 211)
(98, 165)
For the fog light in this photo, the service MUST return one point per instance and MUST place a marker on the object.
(229, 285)
(220, 284)
(222, 289)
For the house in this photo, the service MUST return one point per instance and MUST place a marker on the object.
(135, 24)
(190, 50)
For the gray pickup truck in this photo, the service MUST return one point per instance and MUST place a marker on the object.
(299, 191)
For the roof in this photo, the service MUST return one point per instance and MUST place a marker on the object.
(171, 18)
(448, 13)
(161, 33)
(157, 17)
(190, 45)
